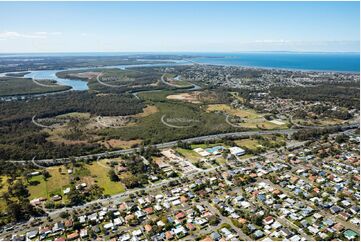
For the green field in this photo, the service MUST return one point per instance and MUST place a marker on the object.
(243, 113)
(53, 185)
(189, 154)
(100, 175)
(251, 144)
(76, 115)
(92, 173)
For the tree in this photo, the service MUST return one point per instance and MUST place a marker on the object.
(213, 220)
(129, 180)
(75, 197)
(46, 175)
(342, 138)
(19, 190)
(113, 177)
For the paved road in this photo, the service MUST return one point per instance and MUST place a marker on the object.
(163, 145)
(123, 196)
(174, 143)
(227, 220)
(151, 187)
(325, 213)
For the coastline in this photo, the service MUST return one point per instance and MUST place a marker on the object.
(279, 68)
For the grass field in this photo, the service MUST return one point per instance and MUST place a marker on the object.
(54, 185)
(38, 190)
(242, 113)
(91, 174)
(100, 175)
(74, 115)
(251, 144)
(189, 154)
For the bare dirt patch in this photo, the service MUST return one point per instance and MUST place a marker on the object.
(186, 97)
(113, 121)
(194, 97)
(148, 110)
(120, 144)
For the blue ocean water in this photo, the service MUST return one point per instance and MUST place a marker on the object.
(338, 62)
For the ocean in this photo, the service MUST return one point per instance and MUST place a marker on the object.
(308, 61)
(335, 62)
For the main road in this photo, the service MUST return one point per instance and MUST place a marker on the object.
(50, 162)
(162, 145)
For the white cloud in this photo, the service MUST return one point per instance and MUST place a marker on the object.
(34, 35)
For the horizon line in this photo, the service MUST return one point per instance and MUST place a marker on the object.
(155, 52)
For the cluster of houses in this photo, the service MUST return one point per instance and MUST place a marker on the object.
(291, 195)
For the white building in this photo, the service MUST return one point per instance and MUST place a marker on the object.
(237, 151)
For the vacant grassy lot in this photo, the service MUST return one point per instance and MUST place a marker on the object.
(243, 113)
(120, 144)
(251, 144)
(37, 187)
(189, 154)
(58, 181)
(100, 174)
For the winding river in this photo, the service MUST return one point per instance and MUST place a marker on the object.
(81, 85)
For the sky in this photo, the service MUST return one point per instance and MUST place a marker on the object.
(179, 26)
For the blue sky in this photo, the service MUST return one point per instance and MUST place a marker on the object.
(179, 26)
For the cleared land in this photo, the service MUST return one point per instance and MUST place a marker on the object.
(250, 119)
(100, 175)
(186, 97)
(251, 144)
(189, 154)
(95, 173)
(242, 113)
(53, 185)
(120, 144)
(197, 97)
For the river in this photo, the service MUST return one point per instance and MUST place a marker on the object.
(78, 84)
